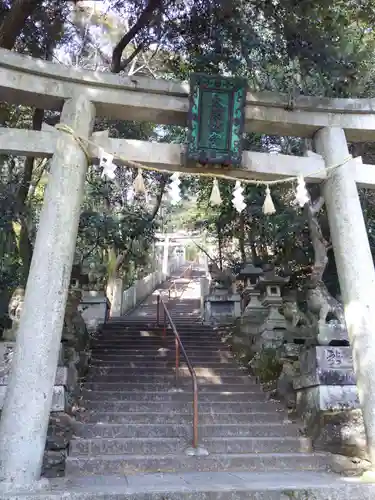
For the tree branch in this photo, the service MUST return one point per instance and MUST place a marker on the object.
(318, 241)
(132, 56)
(143, 20)
(38, 116)
(14, 21)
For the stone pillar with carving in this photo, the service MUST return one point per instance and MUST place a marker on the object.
(24, 420)
(327, 400)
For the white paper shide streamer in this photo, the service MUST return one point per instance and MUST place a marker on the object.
(139, 184)
(215, 198)
(268, 206)
(174, 189)
(302, 196)
(107, 165)
(238, 198)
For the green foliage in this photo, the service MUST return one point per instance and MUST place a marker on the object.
(292, 46)
(265, 365)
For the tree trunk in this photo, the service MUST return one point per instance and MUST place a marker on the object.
(15, 20)
(318, 241)
(241, 237)
(220, 242)
(25, 246)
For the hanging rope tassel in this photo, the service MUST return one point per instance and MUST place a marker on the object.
(215, 198)
(268, 206)
(138, 184)
(302, 196)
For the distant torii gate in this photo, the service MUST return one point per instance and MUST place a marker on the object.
(82, 95)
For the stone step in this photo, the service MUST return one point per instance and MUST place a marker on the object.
(157, 332)
(269, 485)
(162, 357)
(164, 368)
(140, 349)
(180, 407)
(147, 336)
(98, 376)
(149, 347)
(168, 386)
(155, 446)
(133, 464)
(254, 395)
(92, 430)
(156, 418)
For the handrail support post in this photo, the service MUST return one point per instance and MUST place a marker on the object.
(158, 310)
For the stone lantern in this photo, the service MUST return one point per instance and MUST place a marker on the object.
(249, 274)
(270, 286)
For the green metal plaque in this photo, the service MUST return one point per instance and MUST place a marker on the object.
(216, 119)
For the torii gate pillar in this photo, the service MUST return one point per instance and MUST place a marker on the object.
(354, 265)
(27, 405)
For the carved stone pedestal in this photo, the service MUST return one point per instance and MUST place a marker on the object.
(327, 400)
(222, 307)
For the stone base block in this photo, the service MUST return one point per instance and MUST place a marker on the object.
(324, 378)
(331, 398)
(341, 433)
(333, 419)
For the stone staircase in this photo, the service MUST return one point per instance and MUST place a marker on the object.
(135, 420)
(135, 426)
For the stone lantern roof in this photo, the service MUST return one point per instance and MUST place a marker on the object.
(250, 271)
(270, 278)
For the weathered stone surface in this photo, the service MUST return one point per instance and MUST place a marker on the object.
(60, 431)
(222, 307)
(322, 357)
(59, 402)
(312, 400)
(340, 432)
(289, 350)
(54, 463)
(62, 375)
(332, 333)
(284, 388)
(325, 377)
(355, 266)
(93, 309)
(326, 365)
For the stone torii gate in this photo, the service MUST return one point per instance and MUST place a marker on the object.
(82, 95)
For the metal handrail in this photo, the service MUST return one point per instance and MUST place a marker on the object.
(180, 347)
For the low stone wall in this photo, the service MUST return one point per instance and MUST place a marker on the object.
(139, 291)
(125, 300)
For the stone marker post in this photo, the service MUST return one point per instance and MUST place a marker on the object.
(27, 405)
(354, 265)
